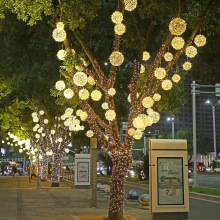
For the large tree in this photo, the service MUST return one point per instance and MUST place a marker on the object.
(84, 30)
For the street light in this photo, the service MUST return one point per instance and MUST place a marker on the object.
(214, 131)
(172, 121)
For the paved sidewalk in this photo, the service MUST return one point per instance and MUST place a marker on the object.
(21, 200)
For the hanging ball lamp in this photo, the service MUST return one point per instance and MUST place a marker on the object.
(68, 112)
(61, 54)
(176, 78)
(110, 115)
(160, 73)
(156, 97)
(146, 56)
(130, 5)
(187, 65)
(148, 102)
(177, 43)
(131, 131)
(167, 84)
(191, 51)
(200, 40)
(83, 94)
(117, 17)
(142, 69)
(111, 91)
(119, 29)
(80, 78)
(155, 116)
(96, 95)
(138, 134)
(89, 133)
(46, 121)
(150, 111)
(60, 25)
(60, 85)
(91, 81)
(68, 93)
(116, 58)
(168, 56)
(177, 26)
(59, 35)
(41, 112)
(105, 105)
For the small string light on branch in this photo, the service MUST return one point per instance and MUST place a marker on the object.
(167, 84)
(110, 115)
(111, 91)
(117, 17)
(200, 40)
(116, 58)
(176, 78)
(156, 97)
(83, 94)
(119, 29)
(187, 65)
(177, 26)
(60, 85)
(160, 73)
(61, 54)
(177, 43)
(168, 56)
(96, 95)
(191, 51)
(130, 5)
(83, 116)
(80, 78)
(148, 102)
(68, 93)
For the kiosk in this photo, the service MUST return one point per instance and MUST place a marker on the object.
(168, 174)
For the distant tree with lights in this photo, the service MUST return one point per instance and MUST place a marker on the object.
(89, 79)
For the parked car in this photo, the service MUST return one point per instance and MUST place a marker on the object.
(200, 166)
(217, 169)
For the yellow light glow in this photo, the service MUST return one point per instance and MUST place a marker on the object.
(60, 25)
(177, 43)
(83, 116)
(60, 85)
(117, 17)
(59, 35)
(80, 78)
(41, 112)
(35, 119)
(177, 26)
(130, 5)
(160, 73)
(96, 95)
(91, 81)
(155, 116)
(176, 78)
(116, 58)
(69, 112)
(142, 69)
(138, 134)
(89, 133)
(167, 84)
(187, 66)
(150, 111)
(119, 29)
(79, 112)
(68, 93)
(110, 115)
(148, 102)
(83, 94)
(168, 56)
(61, 54)
(200, 40)
(46, 121)
(131, 131)
(146, 56)
(191, 51)
(156, 97)
(105, 105)
(111, 91)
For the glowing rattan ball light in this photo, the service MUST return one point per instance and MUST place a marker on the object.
(61, 54)
(69, 112)
(160, 73)
(191, 51)
(142, 69)
(83, 94)
(168, 56)
(91, 81)
(60, 25)
(156, 97)
(116, 58)
(119, 29)
(60, 85)
(148, 102)
(41, 112)
(68, 93)
(59, 35)
(67, 150)
(176, 78)
(111, 91)
(155, 116)
(105, 105)
(34, 114)
(177, 26)
(79, 112)
(96, 95)
(46, 121)
(131, 131)
(137, 134)
(83, 116)
(35, 119)
(130, 5)
(110, 115)
(89, 133)
(146, 56)
(177, 43)
(167, 84)
(117, 17)
(187, 65)
(200, 40)
(80, 78)
(150, 111)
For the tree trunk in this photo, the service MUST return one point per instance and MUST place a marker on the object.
(56, 170)
(116, 200)
(44, 168)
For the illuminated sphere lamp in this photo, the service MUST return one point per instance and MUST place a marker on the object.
(168, 56)
(176, 78)
(61, 54)
(79, 68)
(200, 40)
(79, 112)
(117, 17)
(146, 56)
(105, 105)
(138, 122)
(46, 121)
(111, 91)
(130, 5)
(37, 136)
(156, 97)
(68, 93)
(148, 102)
(83, 94)
(83, 116)
(131, 131)
(68, 112)
(34, 129)
(59, 35)
(91, 81)
(52, 131)
(60, 25)
(191, 51)
(177, 43)
(89, 133)
(110, 115)
(138, 134)
(80, 78)
(142, 69)
(41, 112)
(119, 29)
(35, 119)
(160, 73)
(167, 84)
(177, 26)
(96, 95)
(150, 111)
(155, 116)
(116, 58)
(187, 65)
(34, 114)
(20, 150)
(67, 150)
(60, 85)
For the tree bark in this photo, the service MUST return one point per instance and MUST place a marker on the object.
(55, 170)
(44, 168)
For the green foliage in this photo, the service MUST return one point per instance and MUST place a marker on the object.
(107, 161)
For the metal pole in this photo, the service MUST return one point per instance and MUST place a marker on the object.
(30, 167)
(145, 147)
(214, 133)
(172, 128)
(38, 168)
(194, 133)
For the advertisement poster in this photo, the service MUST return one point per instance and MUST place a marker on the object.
(83, 171)
(170, 181)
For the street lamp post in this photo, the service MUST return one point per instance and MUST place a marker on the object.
(214, 130)
(172, 121)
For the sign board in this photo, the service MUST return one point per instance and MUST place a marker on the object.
(168, 169)
(82, 173)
